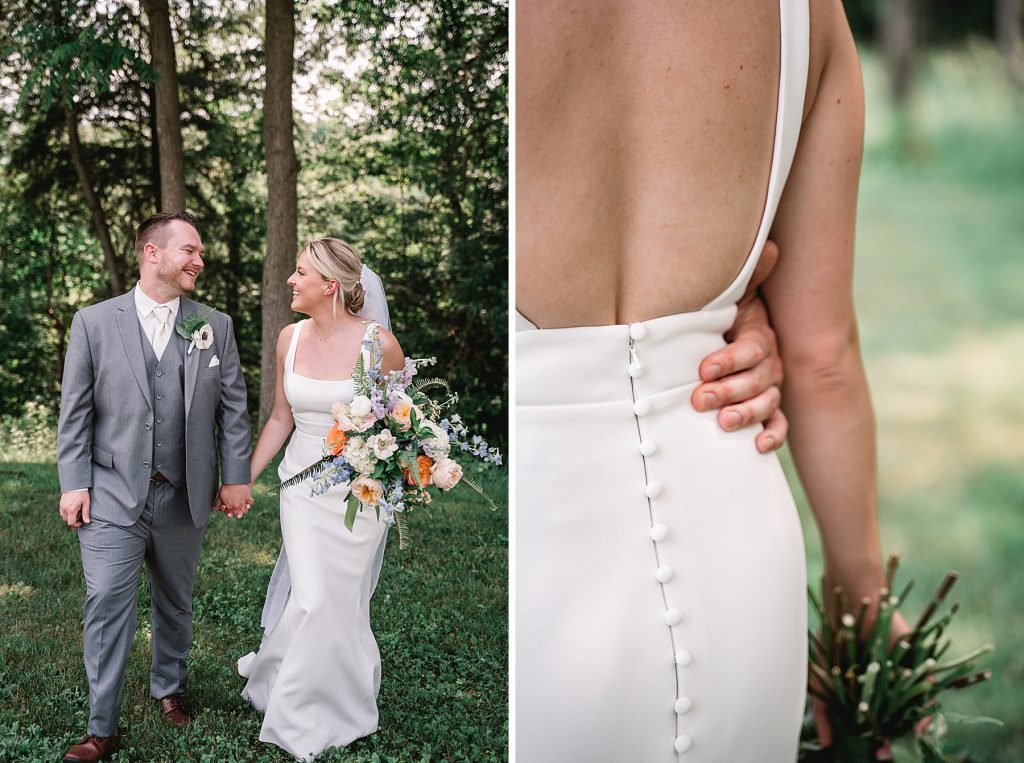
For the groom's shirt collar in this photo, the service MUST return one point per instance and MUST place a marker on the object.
(145, 305)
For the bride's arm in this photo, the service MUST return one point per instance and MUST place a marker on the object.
(394, 358)
(279, 425)
(810, 297)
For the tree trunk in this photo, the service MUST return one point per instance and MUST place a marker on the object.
(168, 107)
(900, 23)
(99, 220)
(282, 197)
(1010, 34)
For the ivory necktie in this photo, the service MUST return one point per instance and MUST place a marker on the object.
(163, 330)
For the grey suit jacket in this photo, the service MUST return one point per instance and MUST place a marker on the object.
(103, 441)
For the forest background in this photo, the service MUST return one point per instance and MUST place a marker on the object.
(383, 122)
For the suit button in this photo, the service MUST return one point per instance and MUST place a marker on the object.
(158, 464)
(146, 464)
(159, 421)
(159, 397)
(148, 426)
(159, 373)
(159, 445)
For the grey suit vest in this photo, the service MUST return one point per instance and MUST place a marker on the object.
(167, 386)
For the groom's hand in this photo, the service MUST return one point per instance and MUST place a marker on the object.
(744, 378)
(74, 508)
(234, 500)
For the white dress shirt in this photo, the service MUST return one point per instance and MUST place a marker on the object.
(150, 323)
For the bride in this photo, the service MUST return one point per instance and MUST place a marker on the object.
(317, 672)
(660, 574)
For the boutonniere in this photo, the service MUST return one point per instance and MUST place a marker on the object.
(195, 328)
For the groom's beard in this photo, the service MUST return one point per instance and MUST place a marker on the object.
(177, 280)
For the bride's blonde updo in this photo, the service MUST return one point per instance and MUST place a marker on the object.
(335, 260)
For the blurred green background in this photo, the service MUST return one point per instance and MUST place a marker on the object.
(940, 295)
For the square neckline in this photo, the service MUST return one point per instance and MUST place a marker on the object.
(289, 360)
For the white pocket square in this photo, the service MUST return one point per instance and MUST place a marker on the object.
(214, 361)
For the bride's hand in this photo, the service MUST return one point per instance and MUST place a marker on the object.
(744, 378)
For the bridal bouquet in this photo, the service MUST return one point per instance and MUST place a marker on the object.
(390, 446)
(875, 692)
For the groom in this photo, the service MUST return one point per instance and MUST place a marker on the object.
(145, 417)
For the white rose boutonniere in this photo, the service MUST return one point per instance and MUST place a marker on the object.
(195, 328)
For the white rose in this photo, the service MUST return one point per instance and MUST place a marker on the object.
(446, 474)
(367, 490)
(360, 406)
(383, 445)
(357, 415)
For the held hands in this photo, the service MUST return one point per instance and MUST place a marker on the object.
(74, 508)
(234, 500)
(744, 378)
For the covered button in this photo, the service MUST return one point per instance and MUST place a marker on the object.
(647, 447)
(683, 743)
(659, 533)
(673, 617)
(683, 705)
(636, 369)
(664, 573)
(653, 489)
(637, 331)
(642, 407)
(683, 658)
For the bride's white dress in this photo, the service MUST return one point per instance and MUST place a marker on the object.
(317, 673)
(659, 563)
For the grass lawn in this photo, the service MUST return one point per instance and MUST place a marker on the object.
(940, 295)
(439, 614)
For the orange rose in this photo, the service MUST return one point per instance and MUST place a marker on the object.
(424, 472)
(336, 439)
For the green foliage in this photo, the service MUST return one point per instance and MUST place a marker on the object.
(414, 173)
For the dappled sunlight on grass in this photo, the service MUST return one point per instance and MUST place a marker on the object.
(943, 413)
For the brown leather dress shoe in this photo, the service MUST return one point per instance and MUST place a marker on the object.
(93, 748)
(174, 709)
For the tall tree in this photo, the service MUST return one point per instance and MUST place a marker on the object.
(900, 28)
(167, 107)
(1010, 35)
(282, 198)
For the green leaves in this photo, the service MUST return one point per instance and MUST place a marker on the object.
(875, 689)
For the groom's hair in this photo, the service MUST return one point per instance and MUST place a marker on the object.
(152, 227)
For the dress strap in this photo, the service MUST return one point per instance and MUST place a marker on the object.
(289, 359)
(794, 53)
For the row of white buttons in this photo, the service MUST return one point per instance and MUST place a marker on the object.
(659, 532)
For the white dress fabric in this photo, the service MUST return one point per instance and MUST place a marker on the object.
(317, 673)
(375, 309)
(660, 572)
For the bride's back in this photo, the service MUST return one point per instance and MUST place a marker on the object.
(644, 135)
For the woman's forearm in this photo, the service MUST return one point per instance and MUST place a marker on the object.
(832, 437)
(275, 433)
